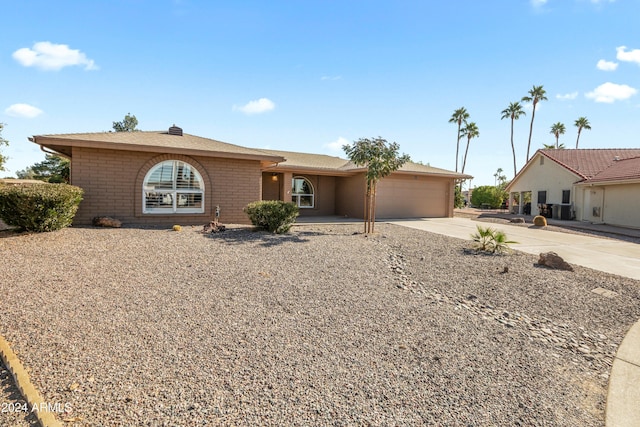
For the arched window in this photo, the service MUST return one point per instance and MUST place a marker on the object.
(173, 186)
(302, 192)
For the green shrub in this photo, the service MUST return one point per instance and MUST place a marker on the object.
(39, 207)
(274, 216)
(487, 195)
(491, 240)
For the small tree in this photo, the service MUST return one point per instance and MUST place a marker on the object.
(381, 159)
(127, 125)
(4, 142)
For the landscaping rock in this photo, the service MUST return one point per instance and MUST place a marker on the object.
(517, 220)
(539, 221)
(555, 261)
(105, 221)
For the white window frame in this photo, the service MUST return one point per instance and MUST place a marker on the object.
(173, 192)
(295, 197)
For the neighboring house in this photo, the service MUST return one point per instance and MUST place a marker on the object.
(162, 178)
(594, 185)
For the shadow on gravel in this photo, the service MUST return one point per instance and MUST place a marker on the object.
(262, 238)
(14, 408)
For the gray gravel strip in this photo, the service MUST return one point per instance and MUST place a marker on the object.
(318, 327)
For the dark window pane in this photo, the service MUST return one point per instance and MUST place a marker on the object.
(566, 196)
(542, 197)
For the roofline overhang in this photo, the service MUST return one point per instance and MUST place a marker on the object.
(530, 162)
(49, 141)
(604, 182)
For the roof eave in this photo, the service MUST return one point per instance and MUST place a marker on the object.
(57, 142)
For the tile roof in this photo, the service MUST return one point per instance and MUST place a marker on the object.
(625, 169)
(587, 163)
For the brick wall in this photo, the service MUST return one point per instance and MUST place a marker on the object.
(112, 181)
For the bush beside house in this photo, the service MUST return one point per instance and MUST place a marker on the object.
(39, 207)
(274, 216)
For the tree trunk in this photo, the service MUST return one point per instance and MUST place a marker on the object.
(513, 149)
(373, 206)
(533, 115)
(464, 161)
(458, 146)
(365, 203)
(578, 138)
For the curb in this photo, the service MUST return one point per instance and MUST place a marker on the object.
(23, 382)
(623, 397)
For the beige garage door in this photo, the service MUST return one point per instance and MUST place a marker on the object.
(412, 197)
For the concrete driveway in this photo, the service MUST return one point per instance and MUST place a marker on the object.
(608, 255)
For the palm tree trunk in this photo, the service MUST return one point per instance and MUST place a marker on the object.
(557, 137)
(458, 146)
(464, 160)
(533, 115)
(513, 149)
(578, 138)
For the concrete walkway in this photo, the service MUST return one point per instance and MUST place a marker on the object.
(608, 255)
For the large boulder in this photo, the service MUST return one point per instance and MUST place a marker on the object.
(555, 261)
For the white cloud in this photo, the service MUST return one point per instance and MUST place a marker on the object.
(611, 92)
(330, 77)
(606, 65)
(258, 106)
(567, 96)
(628, 56)
(336, 146)
(23, 110)
(50, 56)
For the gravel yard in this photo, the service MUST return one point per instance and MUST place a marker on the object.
(323, 326)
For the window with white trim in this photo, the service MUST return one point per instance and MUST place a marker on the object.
(173, 187)
(302, 192)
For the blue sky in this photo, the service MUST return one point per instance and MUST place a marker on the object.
(306, 75)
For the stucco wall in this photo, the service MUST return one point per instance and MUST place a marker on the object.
(112, 181)
(546, 176)
(622, 205)
(350, 196)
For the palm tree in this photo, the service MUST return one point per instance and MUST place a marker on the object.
(536, 94)
(581, 123)
(459, 116)
(557, 129)
(513, 112)
(554, 147)
(470, 130)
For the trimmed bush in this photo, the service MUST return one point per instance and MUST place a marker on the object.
(39, 207)
(539, 221)
(274, 216)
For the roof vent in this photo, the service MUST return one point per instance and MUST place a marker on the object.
(175, 130)
(616, 159)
